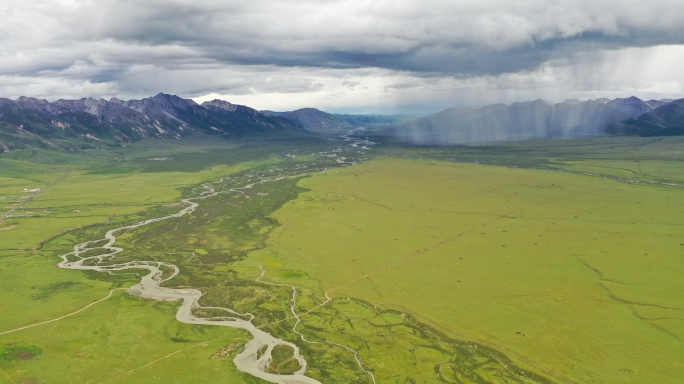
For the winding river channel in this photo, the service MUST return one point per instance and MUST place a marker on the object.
(249, 360)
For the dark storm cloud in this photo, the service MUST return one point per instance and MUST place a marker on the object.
(127, 47)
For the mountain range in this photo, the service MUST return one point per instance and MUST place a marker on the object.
(70, 124)
(539, 119)
(666, 120)
(51, 124)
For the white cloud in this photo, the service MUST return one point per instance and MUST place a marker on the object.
(342, 54)
(650, 72)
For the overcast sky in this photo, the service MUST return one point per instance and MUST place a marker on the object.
(386, 56)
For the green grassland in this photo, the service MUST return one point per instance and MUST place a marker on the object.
(90, 190)
(545, 262)
(654, 160)
(124, 340)
(574, 276)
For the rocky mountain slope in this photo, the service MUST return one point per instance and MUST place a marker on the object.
(666, 120)
(634, 106)
(29, 120)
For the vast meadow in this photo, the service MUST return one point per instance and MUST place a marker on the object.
(117, 335)
(575, 276)
(569, 268)
(556, 261)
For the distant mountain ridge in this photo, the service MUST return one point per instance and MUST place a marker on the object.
(666, 120)
(315, 120)
(634, 106)
(38, 121)
(70, 124)
(523, 121)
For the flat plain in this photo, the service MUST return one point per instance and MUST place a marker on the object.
(575, 275)
(549, 261)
